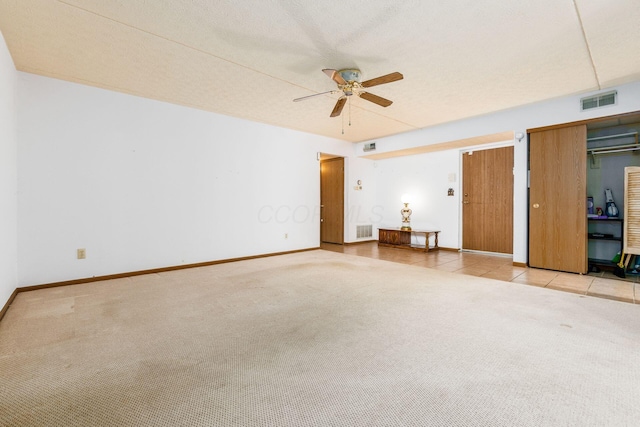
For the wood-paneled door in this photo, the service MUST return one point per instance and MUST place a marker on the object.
(558, 199)
(332, 200)
(487, 200)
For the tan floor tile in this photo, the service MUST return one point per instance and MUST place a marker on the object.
(575, 283)
(603, 284)
(447, 267)
(534, 273)
(496, 261)
(571, 279)
(473, 271)
(536, 277)
(612, 289)
(505, 275)
(465, 262)
(401, 260)
(445, 256)
(497, 264)
(513, 269)
(429, 263)
(530, 281)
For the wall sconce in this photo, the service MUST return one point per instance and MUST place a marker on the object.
(406, 212)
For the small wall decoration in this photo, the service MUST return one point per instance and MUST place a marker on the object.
(450, 192)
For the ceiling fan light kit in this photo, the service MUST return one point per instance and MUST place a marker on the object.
(348, 81)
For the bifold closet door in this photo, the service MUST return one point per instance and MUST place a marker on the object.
(557, 199)
(631, 210)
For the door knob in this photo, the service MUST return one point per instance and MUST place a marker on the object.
(536, 206)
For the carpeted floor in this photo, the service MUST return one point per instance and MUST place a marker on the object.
(317, 339)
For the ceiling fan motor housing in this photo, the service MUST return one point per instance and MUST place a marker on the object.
(350, 74)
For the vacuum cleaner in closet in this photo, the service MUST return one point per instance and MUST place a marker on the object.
(611, 209)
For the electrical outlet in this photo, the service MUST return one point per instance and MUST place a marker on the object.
(82, 253)
(286, 235)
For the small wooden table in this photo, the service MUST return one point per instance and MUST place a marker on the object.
(398, 238)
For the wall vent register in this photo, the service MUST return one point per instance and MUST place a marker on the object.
(363, 231)
(597, 101)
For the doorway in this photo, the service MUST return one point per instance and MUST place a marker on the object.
(487, 202)
(332, 200)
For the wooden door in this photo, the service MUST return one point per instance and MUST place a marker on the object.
(332, 200)
(558, 199)
(487, 200)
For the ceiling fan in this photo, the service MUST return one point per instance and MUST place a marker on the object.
(348, 81)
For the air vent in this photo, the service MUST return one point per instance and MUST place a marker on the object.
(363, 231)
(602, 100)
(370, 146)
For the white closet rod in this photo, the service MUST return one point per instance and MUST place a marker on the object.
(620, 135)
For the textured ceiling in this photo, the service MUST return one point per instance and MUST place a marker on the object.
(250, 59)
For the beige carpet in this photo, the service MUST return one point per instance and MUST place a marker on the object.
(317, 339)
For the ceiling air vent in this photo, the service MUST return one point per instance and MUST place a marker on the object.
(597, 101)
(369, 147)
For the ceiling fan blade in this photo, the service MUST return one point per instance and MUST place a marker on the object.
(376, 99)
(335, 76)
(315, 94)
(383, 79)
(339, 106)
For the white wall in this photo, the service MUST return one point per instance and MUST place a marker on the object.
(143, 184)
(8, 176)
(556, 111)
(361, 205)
(426, 178)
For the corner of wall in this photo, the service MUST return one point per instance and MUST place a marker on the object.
(8, 176)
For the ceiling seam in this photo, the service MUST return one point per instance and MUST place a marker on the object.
(586, 42)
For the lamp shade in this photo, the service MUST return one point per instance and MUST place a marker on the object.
(406, 198)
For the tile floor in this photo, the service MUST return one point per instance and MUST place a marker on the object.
(603, 284)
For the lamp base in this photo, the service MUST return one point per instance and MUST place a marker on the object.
(405, 227)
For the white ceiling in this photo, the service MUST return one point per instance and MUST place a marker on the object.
(250, 59)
